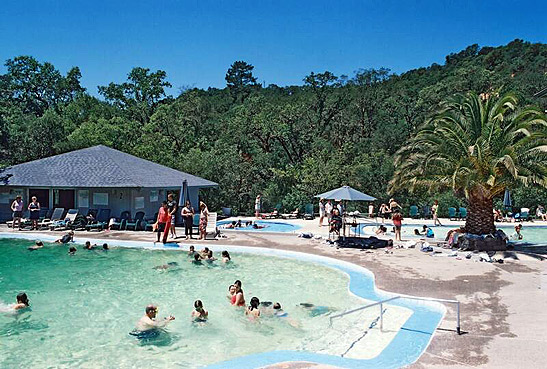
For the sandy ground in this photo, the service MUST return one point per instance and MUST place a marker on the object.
(503, 305)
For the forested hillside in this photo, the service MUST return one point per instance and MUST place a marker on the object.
(287, 143)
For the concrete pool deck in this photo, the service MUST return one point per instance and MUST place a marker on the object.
(503, 305)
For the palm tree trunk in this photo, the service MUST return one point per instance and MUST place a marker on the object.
(480, 217)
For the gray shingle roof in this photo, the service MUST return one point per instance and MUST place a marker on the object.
(99, 166)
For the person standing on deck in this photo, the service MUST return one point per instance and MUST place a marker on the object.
(257, 206)
(434, 210)
(321, 212)
(203, 219)
(188, 216)
(17, 209)
(163, 222)
(397, 219)
(328, 210)
(172, 208)
(34, 210)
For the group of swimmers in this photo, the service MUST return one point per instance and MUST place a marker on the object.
(207, 255)
(72, 250)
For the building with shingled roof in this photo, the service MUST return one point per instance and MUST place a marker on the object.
(94, 178)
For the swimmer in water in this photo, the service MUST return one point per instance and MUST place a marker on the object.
(280, 313)
(210, 256)
(252, 310)
(169, 265)
(192, 251)
(258, 226)
(105, 247)
(22, 302)
(66, 238)
(204, 253)
(149, 322)
(72, 250)
(226, 257)
(89, 246)
(37, 245)
(199, 314)
(316, 310)
(197, 259)
(238, 299)
(231, 291)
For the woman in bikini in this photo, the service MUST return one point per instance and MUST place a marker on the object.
(238, 299)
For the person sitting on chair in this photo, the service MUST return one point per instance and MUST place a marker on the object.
(335, 222)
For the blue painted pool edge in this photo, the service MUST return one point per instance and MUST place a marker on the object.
(407, 346)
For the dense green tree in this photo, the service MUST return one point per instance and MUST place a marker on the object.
(240, 80)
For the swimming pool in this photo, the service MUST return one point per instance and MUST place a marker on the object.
(75, 300)
(534, 236)
(269, 226)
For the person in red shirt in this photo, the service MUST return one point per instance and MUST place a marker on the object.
(397, 222)
(163, 222)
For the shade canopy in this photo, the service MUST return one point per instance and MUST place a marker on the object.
(346, 193)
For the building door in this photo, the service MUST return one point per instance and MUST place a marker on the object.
(64, 199)
(41, 194)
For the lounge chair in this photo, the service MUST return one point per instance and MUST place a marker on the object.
(413, 212)
(452, 214)
(273, 215)
(463, 213)
(55, 216)
(60, 225)
(524, 214)
(135, 224)
(226, 213)
(148, 223)
(119, 223)
(293, 215)
(211, 224)
(308, 213)
(101, 222)
(195, 222)
(426, 210)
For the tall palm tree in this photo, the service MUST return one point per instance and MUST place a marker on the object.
(478, 147)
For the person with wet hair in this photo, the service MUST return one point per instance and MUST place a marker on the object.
(197, 259)
(89, 246)
(191, 251)
(210, 256)
(22, 302)
(199, 314)
(231, 292)
(148, 320)
(72, 250)
(226, 256)
(69, 237)
(105, 247)
(253, 310)
(37, 245)
(238, 299)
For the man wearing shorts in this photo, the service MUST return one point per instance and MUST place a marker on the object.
(17, 209)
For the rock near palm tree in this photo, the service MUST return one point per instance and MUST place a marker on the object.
(479, 147)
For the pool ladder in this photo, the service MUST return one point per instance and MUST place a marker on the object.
(381, 303)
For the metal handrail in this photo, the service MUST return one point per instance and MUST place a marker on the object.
(382, 302)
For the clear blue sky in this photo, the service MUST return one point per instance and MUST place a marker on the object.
(196, 41)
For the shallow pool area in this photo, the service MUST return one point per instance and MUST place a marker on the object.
(263, 226)
(78, 299)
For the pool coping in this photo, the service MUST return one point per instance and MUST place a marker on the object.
(409, 343)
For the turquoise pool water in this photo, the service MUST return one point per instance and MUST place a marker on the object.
(534, 237)
(84, 306)
(269, 226)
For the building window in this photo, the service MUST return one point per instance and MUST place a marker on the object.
(154, 196)
(83, 198)
(100, 198)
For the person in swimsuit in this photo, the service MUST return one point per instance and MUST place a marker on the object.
(17, 209)
(22, 302)
(105, 247)
(257, 206)
(210, 256)
(435, 210)
(172, 208)
(199, 314)
(72, 250)
(66, 238)
(89, 246)
(226, 257)
(238, 299)
(197, 259)
(203, 218)
(252, 310)
(397, 219)
(149, 322)
(38, 245)
(191, 251)
(231, 292)
(34, 210)
(321, 212)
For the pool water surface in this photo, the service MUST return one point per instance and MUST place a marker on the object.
(266, 226)
(84, 306)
